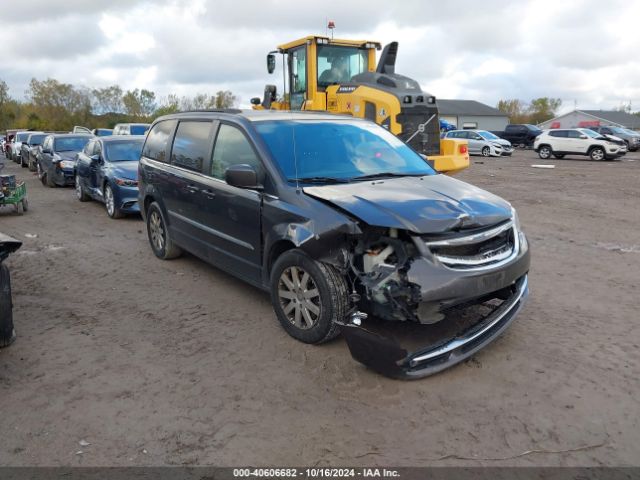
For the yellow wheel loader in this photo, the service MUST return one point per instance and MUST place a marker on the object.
(340, 76)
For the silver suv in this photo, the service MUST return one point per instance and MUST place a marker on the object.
(575, 141)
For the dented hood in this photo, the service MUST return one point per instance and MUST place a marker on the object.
(429, 204)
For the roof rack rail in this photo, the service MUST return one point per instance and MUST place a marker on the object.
(215, 110)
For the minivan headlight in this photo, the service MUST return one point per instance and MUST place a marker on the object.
(515, 219)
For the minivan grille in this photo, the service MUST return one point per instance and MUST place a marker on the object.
(484, 249)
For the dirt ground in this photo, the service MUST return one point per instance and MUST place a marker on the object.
(156, 363)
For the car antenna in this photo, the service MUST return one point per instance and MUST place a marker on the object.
(295, 158)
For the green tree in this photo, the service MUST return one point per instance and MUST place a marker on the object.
(515, 110)
(59, 105)
(542, 109)
(4, 99)
(139, 103)
(225, 99)
(168, 104)
(107, 100)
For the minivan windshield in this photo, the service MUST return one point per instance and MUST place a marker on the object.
(321, 151)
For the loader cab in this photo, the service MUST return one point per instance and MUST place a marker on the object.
(314, 63)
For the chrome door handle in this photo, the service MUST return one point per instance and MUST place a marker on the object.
(192, 189)
(208, 193)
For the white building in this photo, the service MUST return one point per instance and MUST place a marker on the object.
(593, 118)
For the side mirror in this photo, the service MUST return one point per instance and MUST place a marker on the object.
(46, 150)
(95, 158)
(271, 63)
(584, 137)
(255, 101)
(242, 176)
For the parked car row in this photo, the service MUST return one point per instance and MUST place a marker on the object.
(12, 144)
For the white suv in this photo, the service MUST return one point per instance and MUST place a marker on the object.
(575, 141)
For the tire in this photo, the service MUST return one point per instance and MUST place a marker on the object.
(156, 231)
(50, 183)
(80, 193)
(310, 318)
(22, 164)
(42, 175)
(559, 155)
(110, 203)
(31, 165)
(597, 154)
(7, 332)
(544, 152)
(25, 204)
(486, 151)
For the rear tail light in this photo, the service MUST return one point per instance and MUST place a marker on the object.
(463, 149)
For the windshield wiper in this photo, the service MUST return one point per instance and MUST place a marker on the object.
(319, 180)
(387, 174)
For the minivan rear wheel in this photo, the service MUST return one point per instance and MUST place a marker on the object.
(159, 238)
(309, 297)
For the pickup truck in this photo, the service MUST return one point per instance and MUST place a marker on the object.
(521, 135)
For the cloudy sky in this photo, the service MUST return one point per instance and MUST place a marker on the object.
(586, 52)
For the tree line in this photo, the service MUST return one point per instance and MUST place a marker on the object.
(539, 109)
(53, 105)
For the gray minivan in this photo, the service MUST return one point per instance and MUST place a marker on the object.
(337, 219)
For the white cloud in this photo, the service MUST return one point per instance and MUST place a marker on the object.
(585, 50)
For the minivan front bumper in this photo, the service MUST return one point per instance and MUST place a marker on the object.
(387, 357)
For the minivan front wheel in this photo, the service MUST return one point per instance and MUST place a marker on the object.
(544, 152)
(309, 297)
(159, 238)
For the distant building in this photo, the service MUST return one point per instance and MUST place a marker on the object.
(468, 114)
(593, 118)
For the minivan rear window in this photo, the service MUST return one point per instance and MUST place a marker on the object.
(191, 145)
(157, 141)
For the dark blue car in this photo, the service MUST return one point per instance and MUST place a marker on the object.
(107, 171)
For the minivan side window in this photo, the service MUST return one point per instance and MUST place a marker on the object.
(157, 142)
(232, 148)
(191, 145)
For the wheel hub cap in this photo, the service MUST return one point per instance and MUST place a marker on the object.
(299, 297)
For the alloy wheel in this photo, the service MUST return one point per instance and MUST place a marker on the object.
(486, 151)
(157, 230)
(78, 188)
(109, 201)
(299, 297)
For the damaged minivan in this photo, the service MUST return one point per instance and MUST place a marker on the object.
(345, 225)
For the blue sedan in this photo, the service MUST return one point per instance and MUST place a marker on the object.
(107, 171)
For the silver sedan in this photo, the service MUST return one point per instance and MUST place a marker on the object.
(482, 142)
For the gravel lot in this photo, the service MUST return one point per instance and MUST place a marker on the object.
(156, 363)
